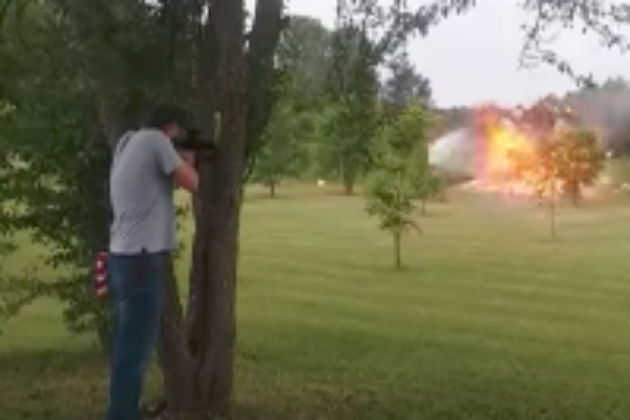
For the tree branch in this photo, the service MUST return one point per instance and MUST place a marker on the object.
(610, 23)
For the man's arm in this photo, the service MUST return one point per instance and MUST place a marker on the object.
(179, 167)
(186, 176)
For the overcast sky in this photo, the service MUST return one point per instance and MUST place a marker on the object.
(474, 57)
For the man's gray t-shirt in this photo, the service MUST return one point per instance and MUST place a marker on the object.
(141, 193)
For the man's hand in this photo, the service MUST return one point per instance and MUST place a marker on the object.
(185, 175)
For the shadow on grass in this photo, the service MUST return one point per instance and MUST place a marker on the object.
(260, 196)
(297, 191)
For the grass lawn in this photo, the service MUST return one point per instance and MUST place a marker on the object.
(618, 170)
(489, 319)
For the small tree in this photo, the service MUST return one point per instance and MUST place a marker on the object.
(399, 153)
(580, 161)
(391, 200)
(545, 178)
(540, 170)
(564, 160)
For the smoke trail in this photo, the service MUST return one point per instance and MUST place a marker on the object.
(454, 153)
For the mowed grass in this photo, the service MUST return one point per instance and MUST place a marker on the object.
(489, 319)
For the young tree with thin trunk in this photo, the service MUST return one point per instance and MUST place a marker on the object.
(400, 159)
(544, 178)
(580, 161)
(540, 169)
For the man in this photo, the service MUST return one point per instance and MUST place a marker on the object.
(144, 168)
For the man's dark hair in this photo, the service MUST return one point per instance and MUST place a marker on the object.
(165, 114)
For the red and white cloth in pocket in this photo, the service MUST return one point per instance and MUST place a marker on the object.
(100, 274)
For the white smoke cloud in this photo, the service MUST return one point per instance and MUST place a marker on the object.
(454, 153)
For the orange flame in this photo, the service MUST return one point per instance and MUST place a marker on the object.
(504, 143)
(499, 142)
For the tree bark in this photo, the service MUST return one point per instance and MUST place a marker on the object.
(272, 189)
(175, 359)
(198, 348)
(109, 108)
(576, 195)
(552, 210)
(215, 242)
(397, 252)
(348, 184)
(264, 37)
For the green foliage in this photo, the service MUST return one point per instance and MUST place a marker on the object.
(405, 86)
(282, 153)
(291, 139)
(391, 200)
(402, 168)
(6, 109)
(52, 167)
(430, 186)
(305, 55)
(15, 290)
(580, 161)
(332, 108)
(353, 90)
(74, 75)
(367, 34)
(375, 31)
(324, 149)
(349, 130)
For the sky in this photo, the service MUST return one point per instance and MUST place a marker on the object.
(473, 58)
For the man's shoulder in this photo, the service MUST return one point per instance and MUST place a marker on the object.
(150, 134)
(149, 140)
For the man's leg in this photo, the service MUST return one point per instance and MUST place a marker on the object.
(137, 283)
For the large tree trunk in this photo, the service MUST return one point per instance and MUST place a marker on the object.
(198, 348)
(216, 237)
(175, 358)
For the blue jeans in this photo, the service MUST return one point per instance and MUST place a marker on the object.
(136, 284)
